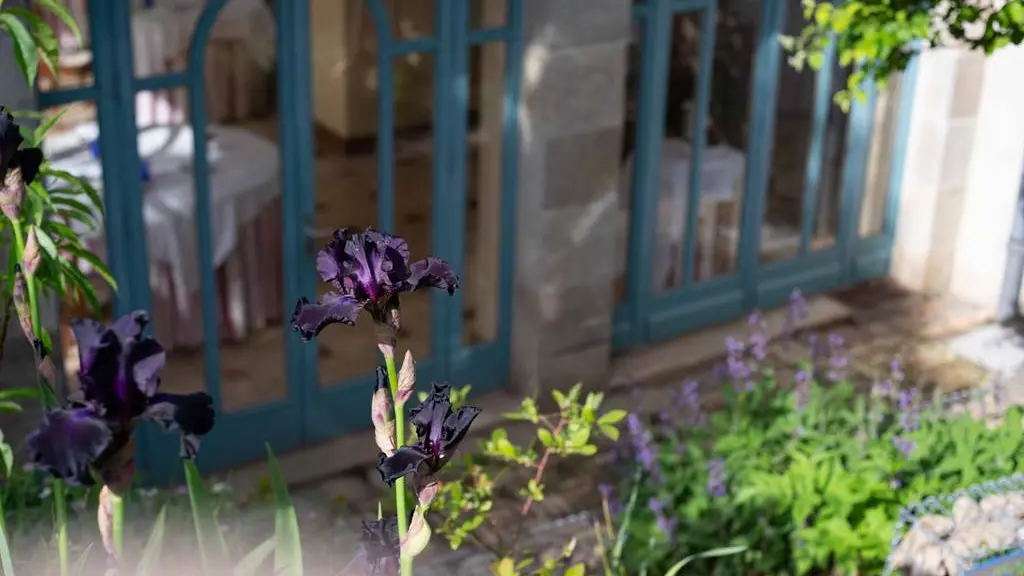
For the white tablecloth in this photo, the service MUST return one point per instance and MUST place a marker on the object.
(243, 179)
(721, 181)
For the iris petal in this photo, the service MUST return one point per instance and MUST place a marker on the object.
(28, 160)
(190, 414)
(456, 426)
(129, 327)
(404, 461)
(146, 360)
(88, 335)
(310, 318)
(432, 272)
(67, 442)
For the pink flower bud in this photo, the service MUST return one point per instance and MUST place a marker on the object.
(426, 493)
(21, 306)
(406, 379)
(12, 190)
(31, 257)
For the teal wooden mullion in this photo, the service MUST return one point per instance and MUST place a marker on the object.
(385, 118)
(656, 39)
(908, 89)
(509, 178)
(298, 197)
(816, 153)
(764, 93)
(709, 25)
(64, 96)
(452, 196)
(858, 140)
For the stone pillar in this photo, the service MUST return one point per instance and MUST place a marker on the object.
(962, 173)
(571, 122)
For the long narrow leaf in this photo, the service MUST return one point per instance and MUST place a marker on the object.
(83, 559)
(288, 547)
(154, 547)
(202, 517)
(6, 560)
(248, 565)
(65, 16)
(24, 46)
(716, 553)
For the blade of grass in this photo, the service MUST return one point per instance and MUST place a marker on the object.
(60, 511)
(716, 553)
(154, 546)
(288, 547)
(202, 516)
(6, 562)
(248, 565)
(79, 567)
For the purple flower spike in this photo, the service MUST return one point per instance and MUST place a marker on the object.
(716, 478)
(904, 445)
(605, 490)
(120, 380)
(439, 431)
(368, 270)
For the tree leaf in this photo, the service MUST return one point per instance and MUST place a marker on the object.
(288, 547)
(154, 546)
(65, 16)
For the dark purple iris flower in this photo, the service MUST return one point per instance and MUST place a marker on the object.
(368, 269)
(120, 380)
(380, 546)
(439, 431)
(11, 153)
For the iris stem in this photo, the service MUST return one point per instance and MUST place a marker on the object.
(117, 519)
(47, 396)
(403, 518)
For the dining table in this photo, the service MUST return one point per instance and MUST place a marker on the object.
(245, 198)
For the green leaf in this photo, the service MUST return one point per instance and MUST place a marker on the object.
(252, 561)
(154, 546)
(612, 417)
(611, 432)
(545, 437)
(79, 568)
(716, 553)
(288, 542)
(6, 559)
(47, 124)
(24, 46)
(7, 455)
(45, 242)
(576, 570)
(43, 35)
(207, 531)
(62, 13)
(98, 266)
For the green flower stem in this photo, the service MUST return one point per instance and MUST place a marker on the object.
(403, 517)
(117, 519)
(59, 494)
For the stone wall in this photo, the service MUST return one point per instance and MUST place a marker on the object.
(571, 116)
(963, 170)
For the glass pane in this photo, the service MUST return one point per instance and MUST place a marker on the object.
(237, 65)
(487, 13)
(414, 174)
(74, 55)
(633, 66)
(409, 18)
(826, 223)
(794, 119)
(483, 194)
(345, 114)
(876, 184)
(724, 158)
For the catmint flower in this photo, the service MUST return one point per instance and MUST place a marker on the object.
(758, 340)
(895, 483)
(735, 347)
(689, 401)
(802, 390)
(907, 405)
(716, 478)
(818, 348)
(896, 372)
(665, 524)
(605, 490)
(795, 312)
(643, 448)
(904, 445)
(837, 360)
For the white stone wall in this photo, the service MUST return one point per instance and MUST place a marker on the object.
(963, 169)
